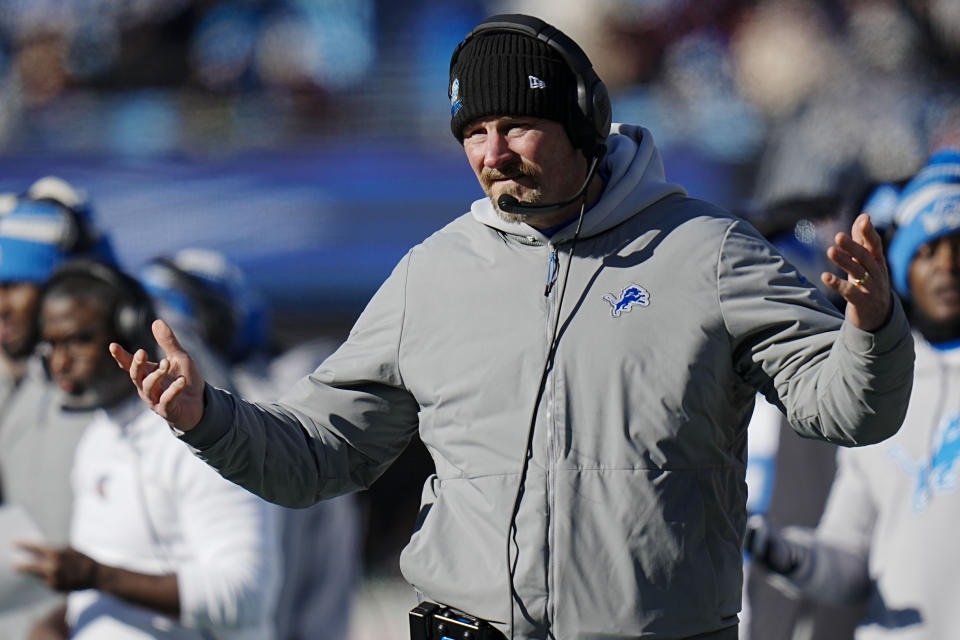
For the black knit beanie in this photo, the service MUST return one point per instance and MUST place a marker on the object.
(512, 74)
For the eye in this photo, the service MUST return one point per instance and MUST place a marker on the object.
(516, 129)
(474, 134)
(926, 250)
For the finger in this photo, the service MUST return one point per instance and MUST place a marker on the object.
(858, 252)
(157, 382)
(39, 569)
(165, 337)
(171, 393)
(36, 549)
(123, 357)
(140, 367)
(843, 259)
(849, 291)
(865, 234)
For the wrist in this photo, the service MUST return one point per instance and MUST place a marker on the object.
(94, 572)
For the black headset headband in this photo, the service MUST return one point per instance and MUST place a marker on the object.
(134, 311)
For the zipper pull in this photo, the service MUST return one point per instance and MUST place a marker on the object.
(551, 272)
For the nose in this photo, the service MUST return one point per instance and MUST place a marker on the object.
(58, 357)
(496, 151)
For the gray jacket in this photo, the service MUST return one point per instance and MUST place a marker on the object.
(632, 511)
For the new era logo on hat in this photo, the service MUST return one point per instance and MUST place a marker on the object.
(536, 83)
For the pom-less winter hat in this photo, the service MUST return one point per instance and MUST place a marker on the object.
(47, 226)
(32, 237)
(508, 72)
(929, 209)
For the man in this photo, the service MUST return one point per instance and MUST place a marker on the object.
(48, 224)
(887, 536)
(45, 226)
(580, 354)
(321, 544)
(160, 545)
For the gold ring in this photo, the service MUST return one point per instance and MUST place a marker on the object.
(862, 280)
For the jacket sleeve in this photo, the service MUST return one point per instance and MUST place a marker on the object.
(835, 567)
(230, 579)
(336, 431)
(833, 381)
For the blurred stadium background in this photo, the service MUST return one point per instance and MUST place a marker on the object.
(308, 140)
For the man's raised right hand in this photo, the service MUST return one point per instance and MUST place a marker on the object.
(173, 387)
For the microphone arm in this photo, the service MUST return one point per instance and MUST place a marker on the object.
(510, 204)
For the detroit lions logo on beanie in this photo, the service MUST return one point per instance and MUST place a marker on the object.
(929, 209)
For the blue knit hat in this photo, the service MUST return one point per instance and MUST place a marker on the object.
(44, 228)
(929, 209)
(881, 204)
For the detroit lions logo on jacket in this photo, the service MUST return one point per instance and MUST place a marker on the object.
(632, 294)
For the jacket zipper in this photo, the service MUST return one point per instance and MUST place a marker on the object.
(551, 274)
(553, 270)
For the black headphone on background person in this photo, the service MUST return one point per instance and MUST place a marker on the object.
(593, 101)
(134, 311)
(213, 312)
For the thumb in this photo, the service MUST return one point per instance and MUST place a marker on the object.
(165, 337)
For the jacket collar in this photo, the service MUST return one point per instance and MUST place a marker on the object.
(636, 181)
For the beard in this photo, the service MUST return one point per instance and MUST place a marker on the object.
(102, 391)
(22, 349)
(531, 195)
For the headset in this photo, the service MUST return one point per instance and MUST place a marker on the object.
(213, 311)
(134, 311)
(592, 125)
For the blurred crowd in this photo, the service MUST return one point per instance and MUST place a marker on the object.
(804, 93)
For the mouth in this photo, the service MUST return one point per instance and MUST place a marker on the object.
(948, 292)
(8, 332)
(67, 385)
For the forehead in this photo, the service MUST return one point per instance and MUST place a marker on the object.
(19, 288)
(952, 239)
(62, 313)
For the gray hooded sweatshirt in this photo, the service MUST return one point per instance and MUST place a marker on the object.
(630, 515)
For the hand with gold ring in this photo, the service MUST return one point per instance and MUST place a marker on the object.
(866, 288)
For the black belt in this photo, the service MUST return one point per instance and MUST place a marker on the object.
(432, 621)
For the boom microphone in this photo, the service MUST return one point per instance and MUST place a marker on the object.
(510, 204)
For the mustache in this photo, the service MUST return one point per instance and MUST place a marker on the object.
(489, 175)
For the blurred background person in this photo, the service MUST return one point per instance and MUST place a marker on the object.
(886, 537)
(160, 545)
(322, 543)
(39, 229)
(47, 225)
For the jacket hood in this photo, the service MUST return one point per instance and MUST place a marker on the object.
(635, 180)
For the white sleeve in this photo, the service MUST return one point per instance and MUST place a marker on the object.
(836, 568)
(232, 578)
